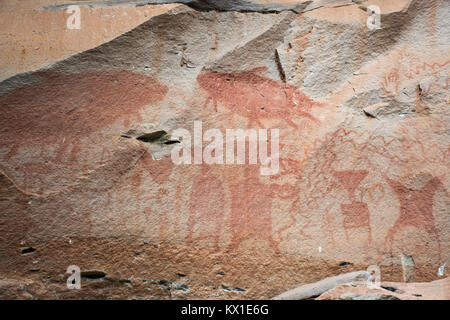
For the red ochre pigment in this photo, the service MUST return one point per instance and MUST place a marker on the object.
(63, 108)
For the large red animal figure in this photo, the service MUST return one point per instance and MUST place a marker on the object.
(256, 97)
(63, 109)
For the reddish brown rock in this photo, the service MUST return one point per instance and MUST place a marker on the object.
(434, 290)
(86, 176)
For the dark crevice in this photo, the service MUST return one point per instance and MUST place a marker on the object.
(28, 250)
(242, 6)
(152, 136)
(392, 289)
(93, 274)
(281, 72)
(164, 282)
(172, 142)
(369, 114)
(237, 289)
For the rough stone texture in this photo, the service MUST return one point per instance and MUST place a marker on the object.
(31, 37)
(408, 268)
(262, 6)
(434, 290)
(364, 142)
(313, 290)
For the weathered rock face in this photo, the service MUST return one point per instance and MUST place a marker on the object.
(434, 290)
(32, 37)
(364, 147)
(362, 286)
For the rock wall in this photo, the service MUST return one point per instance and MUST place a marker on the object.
(364, 151)
(33, 37)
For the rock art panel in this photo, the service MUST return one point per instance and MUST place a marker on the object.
(251, 209)
(66, 111)
(416, 209)
(256, 97)
(206, 209)
(356, 214)
(364, 146)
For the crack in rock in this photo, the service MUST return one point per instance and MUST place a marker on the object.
(225, 5)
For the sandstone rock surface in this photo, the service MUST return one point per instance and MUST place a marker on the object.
(316, 289)
(364, 146)
(434, 290)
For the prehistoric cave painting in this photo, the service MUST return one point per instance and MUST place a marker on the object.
(391, 82)
(206, 208)
(416, 210)
(34, 172)
(251, 208)
(356, 214)
(123, 209)
(427, 88)
(376, 192)
(160, 172)
(433, 72)
(293, 167)
(63, 109)
(15, 221)
(296, 212)
(360, 150)
(256, 97)
(425, 68)
(328, 222)
(137, 203)
(288, 167)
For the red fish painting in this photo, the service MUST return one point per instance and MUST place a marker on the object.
(256, 97)
(61, 109)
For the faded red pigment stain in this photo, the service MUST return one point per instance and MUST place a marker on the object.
(61, 109)
(159, 170)
(34, 171)
(251, 209)
(391, 82)
(15, 222)
(356, 214)
(256, 97)
(293, 167)
(416, 210)
(206, 207)
(425, 67)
